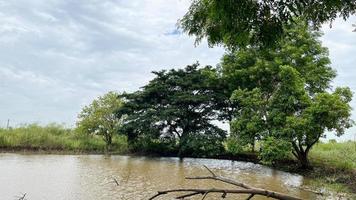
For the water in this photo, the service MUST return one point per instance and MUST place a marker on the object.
(89, 177)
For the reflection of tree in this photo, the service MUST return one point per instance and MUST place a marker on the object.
(128, 169)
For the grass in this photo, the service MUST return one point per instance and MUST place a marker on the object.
(57, 138)
(334, 167)
(338, 155)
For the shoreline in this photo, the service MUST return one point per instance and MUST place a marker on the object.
(340, 181)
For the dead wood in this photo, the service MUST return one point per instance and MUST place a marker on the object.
(243, 189)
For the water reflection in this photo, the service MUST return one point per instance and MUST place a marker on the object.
(91, 177)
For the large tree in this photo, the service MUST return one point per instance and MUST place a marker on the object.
(285, 92)
(238, 23)
(99, 118)
(177, 105)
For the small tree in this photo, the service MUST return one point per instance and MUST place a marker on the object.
(99, 117)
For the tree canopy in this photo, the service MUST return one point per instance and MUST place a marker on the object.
(249, 22)
(177, 105)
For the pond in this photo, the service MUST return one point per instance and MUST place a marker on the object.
(89, 177)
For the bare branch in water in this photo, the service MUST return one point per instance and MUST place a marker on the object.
(117, 183)
(246, 189)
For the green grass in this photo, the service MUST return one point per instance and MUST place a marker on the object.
(334, 167)
(55, 137)
(338, 155)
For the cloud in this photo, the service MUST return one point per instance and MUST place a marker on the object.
(58, 55)
(341, 41)
(173, 32)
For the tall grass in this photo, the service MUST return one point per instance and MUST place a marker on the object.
(338, 155)
(56, 137)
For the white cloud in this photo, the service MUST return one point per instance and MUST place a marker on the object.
(341, 42)
(58, 55)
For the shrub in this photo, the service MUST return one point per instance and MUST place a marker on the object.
(233, 146)
(273, 149)
(203, 146)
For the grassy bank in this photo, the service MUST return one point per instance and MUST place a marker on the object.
(54, 137)
(336, 155)
(334, 167)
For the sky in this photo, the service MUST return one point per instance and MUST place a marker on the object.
(56, 56)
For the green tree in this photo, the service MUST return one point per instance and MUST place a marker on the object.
(99, 118)
(177, 105)
(284, 93)
(249, 124)
(327, 111)
(238, 23)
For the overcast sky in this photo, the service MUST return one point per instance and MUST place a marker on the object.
(58, 55)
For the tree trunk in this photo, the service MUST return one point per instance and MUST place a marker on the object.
(108, 140)
(180, 150)
(302, 155)
(182, 142)
(304, 161)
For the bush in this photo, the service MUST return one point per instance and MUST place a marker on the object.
(203, 146)
(273, 149)
(233, 146)
(146, 144)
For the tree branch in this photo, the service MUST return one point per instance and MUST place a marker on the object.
(246, 189)
(261, 192)
(212, 173)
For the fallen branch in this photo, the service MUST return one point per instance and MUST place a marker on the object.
(246, 189)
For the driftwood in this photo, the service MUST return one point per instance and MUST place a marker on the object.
(244, 189)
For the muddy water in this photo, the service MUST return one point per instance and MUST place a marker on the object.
(89, 177)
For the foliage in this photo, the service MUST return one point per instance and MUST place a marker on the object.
(146, 145)
(233, 146)
(284, 92)
(241, 23)
(203, 145)
(99, 117)
(177, 105)
(56, 137)
(248, 125)
(274, 149)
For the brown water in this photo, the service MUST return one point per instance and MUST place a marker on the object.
(89, 177)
